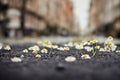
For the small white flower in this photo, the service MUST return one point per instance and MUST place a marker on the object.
(61, 48)
(66, 48)
(36, 48)
(30, 48)
(113, 47)
(70, 44)
(0, 47)
(16, 59)
(7, 47)
(54, 46)
(25, 51)
(85, 56)
(44, 50)
(65, 44)
(38, 55)
(89, 48)
(49, 46)
(118, 51)
(22, 56)
(107, 49)
(102, 50)
(75, 44)
(70, 59)
(97, 47)
(79, 46)
(110, 38)
(84, 42)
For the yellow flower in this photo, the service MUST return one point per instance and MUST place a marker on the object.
(108, 44)
(38, 55)
(85, 56)
(91, 42)
(35, 51)
(97, 47)
(25, 51)
(16, 59)
(70, 59)
(95, 41)
(7, 47)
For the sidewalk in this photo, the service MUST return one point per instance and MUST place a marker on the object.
(54, 39)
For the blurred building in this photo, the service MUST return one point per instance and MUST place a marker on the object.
(34, 17)
(39, 16)
(104, 17)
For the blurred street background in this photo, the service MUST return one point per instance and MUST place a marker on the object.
(35, 18)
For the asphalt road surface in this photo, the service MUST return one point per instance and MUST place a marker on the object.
(104, 66)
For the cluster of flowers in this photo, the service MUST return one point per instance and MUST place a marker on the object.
(6, 47)
(109, 45)
(89, 46)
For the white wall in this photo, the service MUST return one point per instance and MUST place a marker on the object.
(81, 9)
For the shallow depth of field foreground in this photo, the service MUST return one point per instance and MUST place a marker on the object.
(73, 60)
